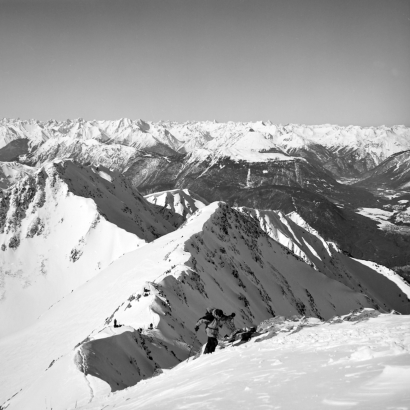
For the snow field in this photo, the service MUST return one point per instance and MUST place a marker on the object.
(351, 365)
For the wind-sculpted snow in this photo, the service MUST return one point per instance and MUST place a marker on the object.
(360, 361)
(58, 228)
(219, 257)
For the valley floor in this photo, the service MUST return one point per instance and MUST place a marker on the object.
(348, 365)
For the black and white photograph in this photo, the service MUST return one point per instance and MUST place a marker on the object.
(205, 204)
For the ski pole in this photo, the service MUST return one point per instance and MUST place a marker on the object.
(189, 356)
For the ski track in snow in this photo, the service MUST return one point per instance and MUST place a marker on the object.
(84, 364)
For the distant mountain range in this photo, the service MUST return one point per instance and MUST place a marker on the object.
(145, 225)
(258, 164)
(344, 151)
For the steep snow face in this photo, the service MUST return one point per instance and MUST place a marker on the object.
(11, 172)
(58, 228)
(219, 257)
(385, 288)
(181, 202)
(354, 364)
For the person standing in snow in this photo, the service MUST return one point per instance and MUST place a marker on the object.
(213, 320)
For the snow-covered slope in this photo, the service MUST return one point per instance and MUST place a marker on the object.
(333, 145)
(114, 156)
(58, 228)
(354, 364)
(11, 172)
(384, 286)
(181, 202)
(219, 257)
(393, 173)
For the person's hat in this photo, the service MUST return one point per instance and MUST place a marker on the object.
(218, 312)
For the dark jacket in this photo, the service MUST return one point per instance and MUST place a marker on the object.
(213, 321)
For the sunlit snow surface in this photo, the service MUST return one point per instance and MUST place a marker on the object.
(349, 365)
(379, 215)
(382, 216)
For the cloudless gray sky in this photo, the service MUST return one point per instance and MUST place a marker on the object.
(301, 61)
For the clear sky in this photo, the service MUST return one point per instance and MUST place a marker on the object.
(301, 61)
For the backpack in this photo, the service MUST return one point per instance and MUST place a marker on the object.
(209, 317)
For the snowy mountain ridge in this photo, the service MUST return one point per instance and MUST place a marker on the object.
(58, 228)
(251, 141)
(181, 202)
(326, 257)
(218, 257)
